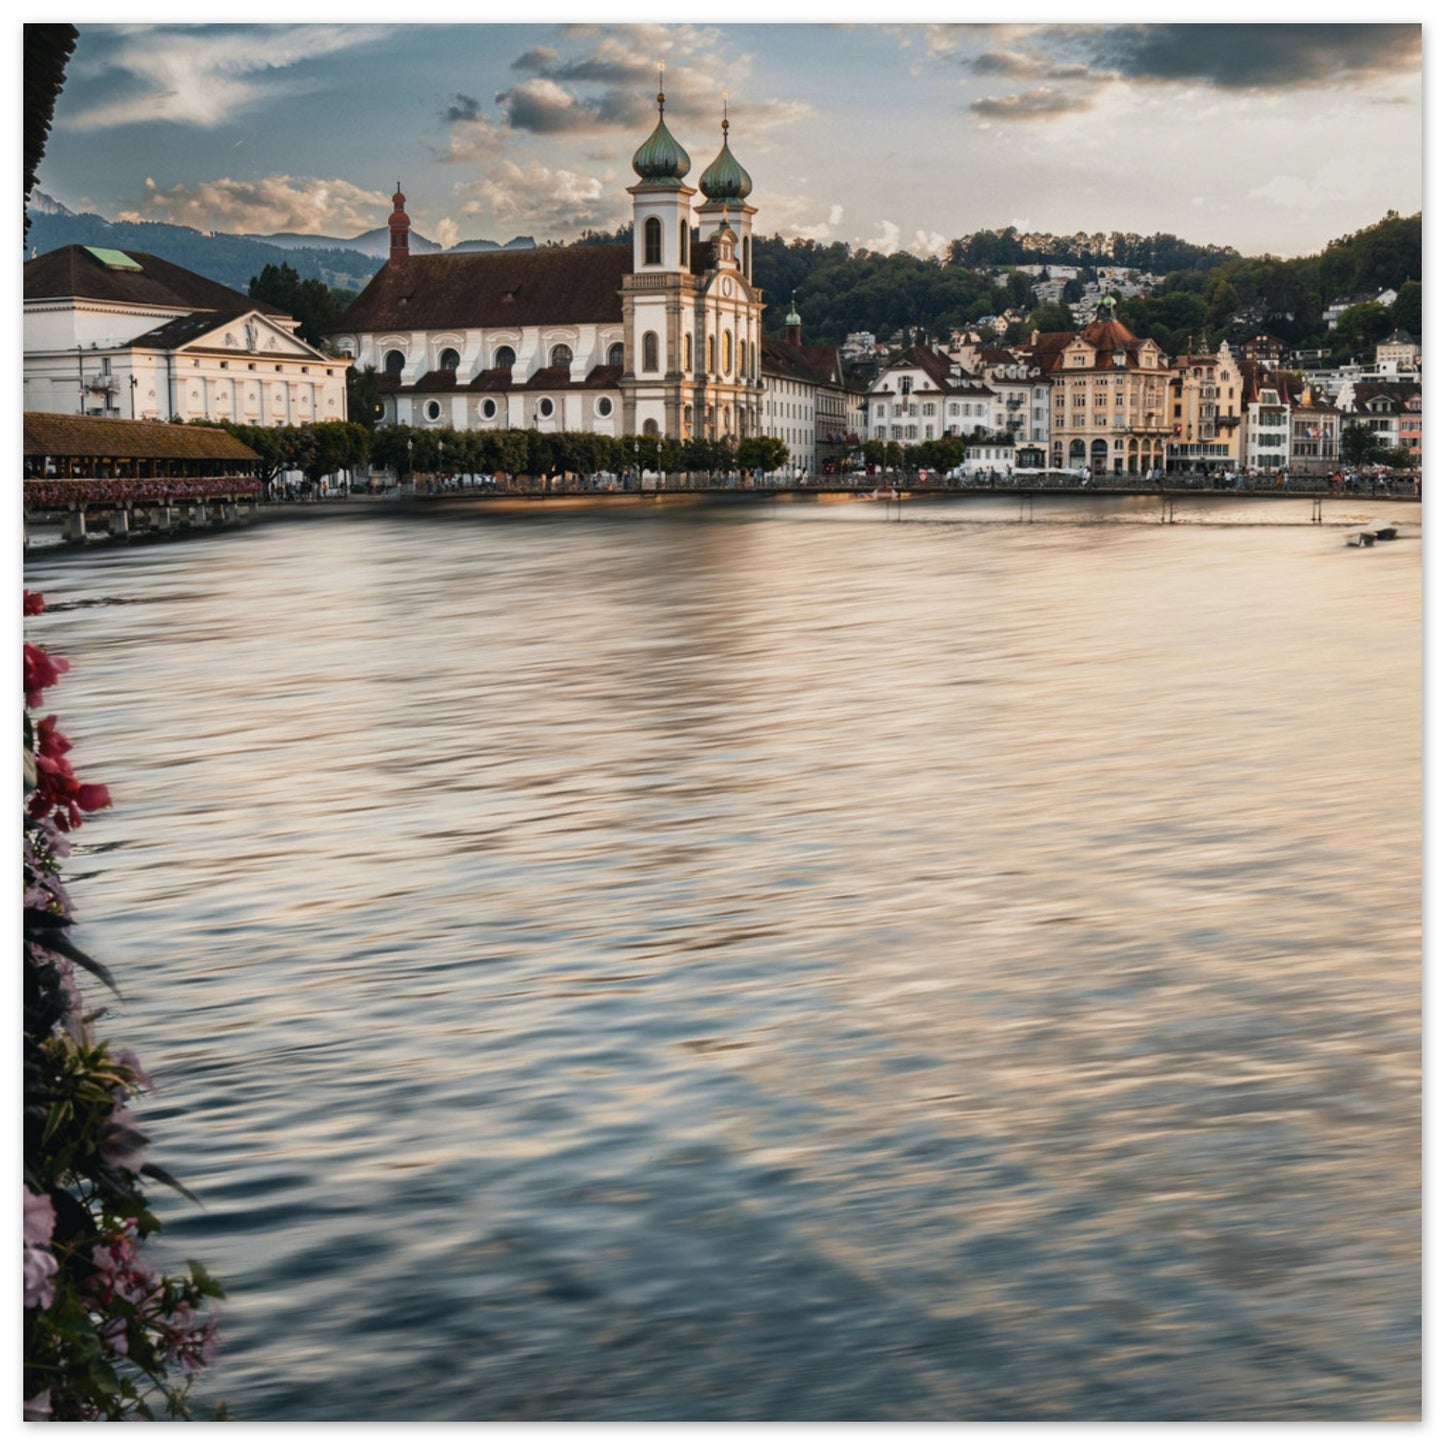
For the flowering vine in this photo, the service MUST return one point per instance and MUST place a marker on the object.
(105, 1336)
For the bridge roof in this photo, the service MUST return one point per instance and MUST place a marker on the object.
(49, 434)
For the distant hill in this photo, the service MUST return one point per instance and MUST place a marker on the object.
(346, 265)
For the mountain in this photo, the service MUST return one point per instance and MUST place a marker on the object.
(40, 204)
(346, 265)
(376, 244)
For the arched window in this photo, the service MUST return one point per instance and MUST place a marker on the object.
(712, 353)
(561, 355)
(687, 351)
(748, 257)
(652, 242)
(449, 360)
(392, 363)
(505, 359)
(682, 239)
(649, 351)
(727, 365)
(649, 428)
(616, 355)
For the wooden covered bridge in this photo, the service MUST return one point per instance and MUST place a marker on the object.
(106, 477)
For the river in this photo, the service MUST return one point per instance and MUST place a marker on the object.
(788, 962)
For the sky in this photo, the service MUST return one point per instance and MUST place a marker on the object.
(1273, 137)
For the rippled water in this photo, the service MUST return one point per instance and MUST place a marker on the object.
(776, 963)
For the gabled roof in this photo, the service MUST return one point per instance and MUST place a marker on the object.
(78, 272)
(57, 435)
(814, 365)
(555, 285)
(939, 370)
(185, 330)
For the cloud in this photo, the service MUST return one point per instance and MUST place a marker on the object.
(816, 231)
(603, 81)
(463, 109)
(204, 75)
(263, 207)
(543, 201)
(1252, 57)
(1041, 104)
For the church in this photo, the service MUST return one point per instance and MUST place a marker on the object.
(658, 338)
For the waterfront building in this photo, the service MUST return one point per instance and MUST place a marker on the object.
(1392, 410)
(127, 335)
(808, 401)
(1398, 353)
(1021, 389)
(1314, 446)
(659, 337)
(1109, 392)
(1265, 444)
(921, 395)
(1206, 396)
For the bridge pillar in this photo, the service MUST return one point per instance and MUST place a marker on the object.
(120, 522)
(74, 526)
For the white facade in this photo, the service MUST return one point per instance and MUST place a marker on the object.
(151, 362)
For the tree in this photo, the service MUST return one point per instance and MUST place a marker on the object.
(762, 453)
(1053, 317)
(310, 301)
(363, 397)
(1360, 447)
(1407, 311)
(339, 446)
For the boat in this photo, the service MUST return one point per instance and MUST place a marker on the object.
(883, 494)
(1360, 539)
(1383, 531)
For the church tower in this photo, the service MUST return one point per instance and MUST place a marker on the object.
(725, 187)
(656, 297)
(727, 392)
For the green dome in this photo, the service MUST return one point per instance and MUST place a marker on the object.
(660, 158)
(725, 179)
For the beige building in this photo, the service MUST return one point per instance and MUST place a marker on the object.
(1110, 395)
(1206, 401)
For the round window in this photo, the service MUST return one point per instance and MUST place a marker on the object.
(604, 406)
(544, 407)
(489, 409)
(433, 411)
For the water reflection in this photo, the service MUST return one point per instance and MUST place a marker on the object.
(800, 966)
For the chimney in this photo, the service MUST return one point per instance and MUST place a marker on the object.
(400, 224)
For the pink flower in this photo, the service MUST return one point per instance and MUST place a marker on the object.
(39, 1217)
(34, 602)
(38, 1406)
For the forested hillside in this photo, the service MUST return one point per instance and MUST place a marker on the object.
(1207, 293)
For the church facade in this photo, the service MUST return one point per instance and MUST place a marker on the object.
(658, 338)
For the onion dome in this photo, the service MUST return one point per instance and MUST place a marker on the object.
(725, 179)
(660, 158)
(792, 318)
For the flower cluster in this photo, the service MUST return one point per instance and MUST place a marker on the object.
(106, 1337)
(45, 494)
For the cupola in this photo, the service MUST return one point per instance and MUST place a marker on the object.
(725, 180)
(399, 224)
(660, 160)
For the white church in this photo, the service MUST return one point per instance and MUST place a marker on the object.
(659, 338)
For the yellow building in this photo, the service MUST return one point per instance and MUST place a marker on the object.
(1206, 404)
(1110, 397)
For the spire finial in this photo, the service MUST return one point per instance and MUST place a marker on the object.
(660, 96)
(725, 112)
